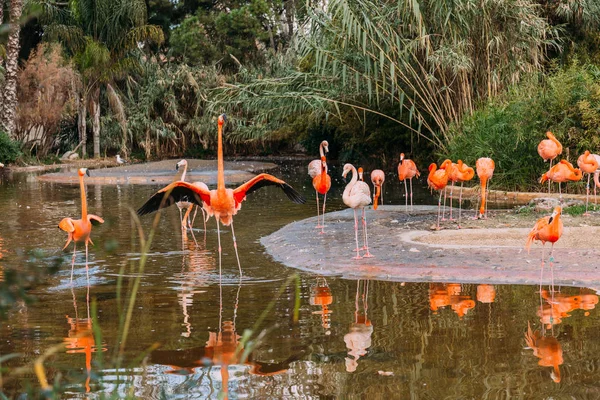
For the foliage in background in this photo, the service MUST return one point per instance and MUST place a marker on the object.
(9, 149)
(46, 93)
(509, 128)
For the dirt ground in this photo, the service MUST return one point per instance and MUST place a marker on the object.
(407, 249)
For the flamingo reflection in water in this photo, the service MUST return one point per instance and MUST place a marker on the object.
(80, 339)
(442, 295)
(557, 306)
(486, 293)
(320, 295)
(358, 339)
(223, 349)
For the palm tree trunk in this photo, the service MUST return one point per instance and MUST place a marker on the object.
(81, 123)
(9, 101)
(96, 121)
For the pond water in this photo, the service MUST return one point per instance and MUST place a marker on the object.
(353, 339)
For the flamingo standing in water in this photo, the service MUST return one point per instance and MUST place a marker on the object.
(314, 170)
(79, 229)
(485, 170)
(562, 172)
(322, 184)
(437, 180)
(407, 169)
(547, 349)
(377, 178)
(222, 203)
(547, 229)
(357, 195)
(549, 149)
(462, 173)
(588, 164)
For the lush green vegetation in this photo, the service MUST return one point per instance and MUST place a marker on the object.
(375, 78)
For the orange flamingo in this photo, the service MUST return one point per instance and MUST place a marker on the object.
(377, 178)
(560, 305)
(596, 178)
(547, 229)
(449, 166)
(320, 295)
(549, 149)
(407, 169)
(562, 172)
(320, 180)
(588, 164)
(222, 203)
(437, 180)
(79, 229)
(485, 170)
(357, 195)
(547, 349)
(322, 184)
(462, 173)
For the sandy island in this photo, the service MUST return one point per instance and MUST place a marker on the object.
(407, 249)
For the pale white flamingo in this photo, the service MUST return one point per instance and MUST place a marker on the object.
(357, 195)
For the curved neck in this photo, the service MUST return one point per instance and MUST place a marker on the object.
(184, 172)
(321, 150)
(352, 181)
(555, 140)
(83, 199)
(220, 163)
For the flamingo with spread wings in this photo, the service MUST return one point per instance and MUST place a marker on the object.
(222, 203)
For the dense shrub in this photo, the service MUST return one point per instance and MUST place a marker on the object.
(509, 128)
(9, 149)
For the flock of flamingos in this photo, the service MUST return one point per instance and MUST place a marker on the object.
(223, 203)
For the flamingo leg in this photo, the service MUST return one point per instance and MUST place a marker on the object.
(87, 272)
(382, 194)
(439, 207)
(551, 262)
(73, 260)
(323, 215)
(358, 257)
(549, 179)
(219, 244)
(451, 198)
(559, 193)
(487, 198)
(189, 223)
(235, 248)
(587, 194)
(411, 195)
(460, 204)
(542, 269)
(366, 243)
(595, 189)
(406, 195)
(181, 218)
(318, 218)
(444, 209)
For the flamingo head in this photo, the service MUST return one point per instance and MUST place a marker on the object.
(222, 119)
(347, 169)
(325, 145)
(360, 173)
(401, 157)
(83, 171)
(557, 211)
(180, 164)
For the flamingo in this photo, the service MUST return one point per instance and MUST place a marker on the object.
(314, 170)
(320, 295)
(549, 149)
(377, 178)
(547, 349)
(462, 173)
(547, 229)
(322, 184)
(437, 180)
(562, 172)
(450, 167)
(222, 203)
(79, 229)
(596, 178)
(486, 293)
(357, 195)
(183, 204)
(407, 169)
(588, 164)
(485, 170)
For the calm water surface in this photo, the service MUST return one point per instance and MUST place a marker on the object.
(354, 339)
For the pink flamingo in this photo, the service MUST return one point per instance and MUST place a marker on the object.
(314, 170)
(588, 164)
(437, 180)
(357, 195)
(377, 178)
(407, 169)
(485, 170)
(549, 149)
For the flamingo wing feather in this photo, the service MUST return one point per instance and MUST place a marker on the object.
(263, 180)
(173, 193)
(66, 224)
(95, 220)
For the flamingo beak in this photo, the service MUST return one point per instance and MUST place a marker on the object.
(176, 167)
(87, 172)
